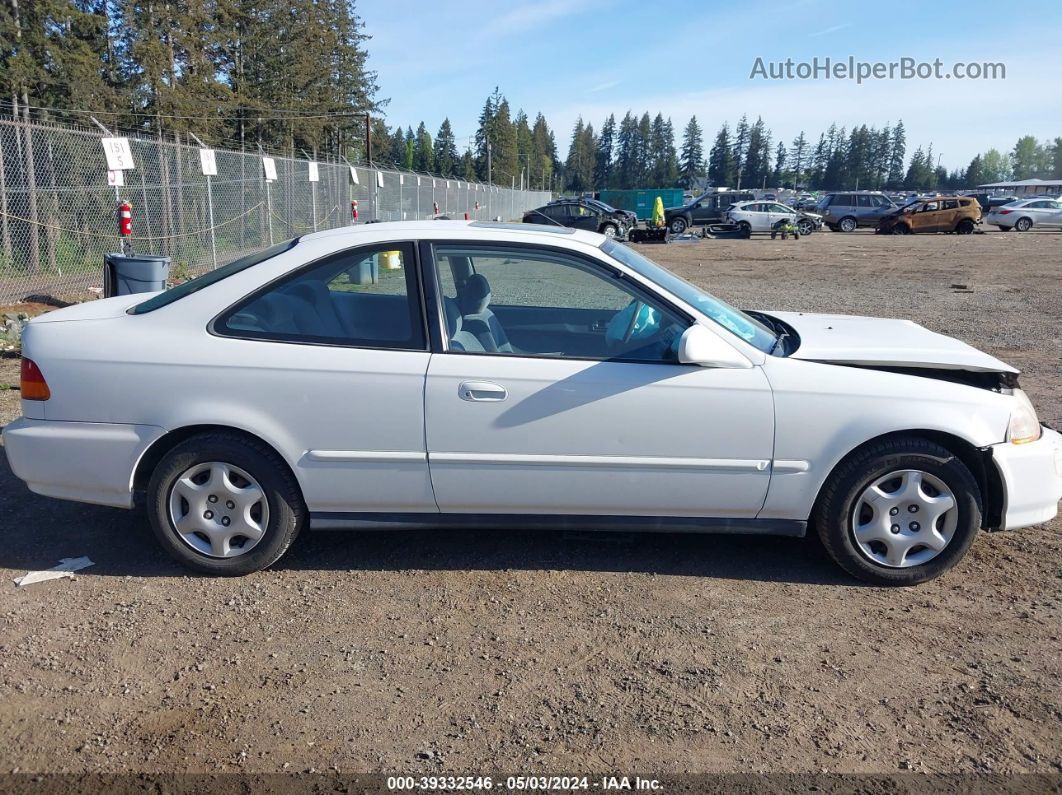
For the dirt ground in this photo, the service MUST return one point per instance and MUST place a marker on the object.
(467, 652)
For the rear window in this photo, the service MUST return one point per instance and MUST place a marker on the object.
(211, 277)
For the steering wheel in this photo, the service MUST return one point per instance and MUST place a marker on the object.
(629, 332)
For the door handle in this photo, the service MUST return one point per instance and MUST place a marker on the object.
(481, 391)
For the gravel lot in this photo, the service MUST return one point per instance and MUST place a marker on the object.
(551, 652)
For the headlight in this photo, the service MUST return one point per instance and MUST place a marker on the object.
(1024, 424)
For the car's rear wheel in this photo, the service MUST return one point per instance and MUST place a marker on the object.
(847, 224)
(1023, 224)
(678, 225)
(899, 512)
(965, 227)
(745, 227)
(805, 227)
(224, 504)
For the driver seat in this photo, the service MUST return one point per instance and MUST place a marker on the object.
(477, 318)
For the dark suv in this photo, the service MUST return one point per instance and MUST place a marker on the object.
(589, 214)
(844, 212)
(708, 208)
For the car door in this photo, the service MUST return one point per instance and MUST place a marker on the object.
(779, 212)
(587, 410)
(582, 217)
(759, 216)
(703, 211)
(331, 361)
(1054, 213)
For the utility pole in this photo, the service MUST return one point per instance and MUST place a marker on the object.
(368, 140)
(490, 181)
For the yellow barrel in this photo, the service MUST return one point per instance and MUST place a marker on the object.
(391, 260)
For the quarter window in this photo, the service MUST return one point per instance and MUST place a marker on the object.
(520, 301)
(364, 297)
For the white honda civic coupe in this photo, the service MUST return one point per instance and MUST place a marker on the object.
(454, 374)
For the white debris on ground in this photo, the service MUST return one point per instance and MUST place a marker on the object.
(66, 568)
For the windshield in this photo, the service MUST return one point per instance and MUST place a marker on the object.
(210, 277)
(733, 320)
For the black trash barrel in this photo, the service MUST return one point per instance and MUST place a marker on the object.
(143, 273)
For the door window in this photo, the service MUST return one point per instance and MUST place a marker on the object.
(364, 297)
(864, 200)
(951, 204)
(521, 301)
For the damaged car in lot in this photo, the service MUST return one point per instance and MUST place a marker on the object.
(455, 374)
(958, 214)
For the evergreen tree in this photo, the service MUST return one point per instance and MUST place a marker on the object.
(606, 142)
(780, 155)
(543, 153)
(445, 153)
(397, 150)
(423, 150)
(741, 149)
(897, 155)
(410, 149)
(722, 171)
(974, 174)
(579, 167)
(467, 167)
(798, 159)
(627, 155)
(691, 161)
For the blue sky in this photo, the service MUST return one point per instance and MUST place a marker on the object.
(568, 58)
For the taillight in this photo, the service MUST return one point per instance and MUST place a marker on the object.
(33, 385)
(1004, 212)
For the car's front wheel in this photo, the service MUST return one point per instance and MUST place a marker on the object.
(899, 512)
(610, 230)
(678, 225)
(224, 504)
(805, 226)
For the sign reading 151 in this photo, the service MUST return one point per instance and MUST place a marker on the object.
(119, 156)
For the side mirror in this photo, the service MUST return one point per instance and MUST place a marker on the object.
(700, 346)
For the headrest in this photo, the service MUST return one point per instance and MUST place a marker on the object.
(475, 296)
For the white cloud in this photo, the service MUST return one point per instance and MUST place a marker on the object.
(603, 86)
(830, 30)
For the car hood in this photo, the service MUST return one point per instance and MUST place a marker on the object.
(94, 310)
(850, 339)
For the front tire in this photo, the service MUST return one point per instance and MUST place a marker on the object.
(965, 227)
(678, 225)
(610, 230)
(899, 511)
(805, 227)
(224, 504)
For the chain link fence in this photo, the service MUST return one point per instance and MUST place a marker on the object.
(58, 213)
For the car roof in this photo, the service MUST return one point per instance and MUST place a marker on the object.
(546, 234)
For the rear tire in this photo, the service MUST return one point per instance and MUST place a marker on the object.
(280, 510)
(845, 492)
(847, 224)
(1023, 224)
(745, 227)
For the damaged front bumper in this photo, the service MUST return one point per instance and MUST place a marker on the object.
(1032, 479)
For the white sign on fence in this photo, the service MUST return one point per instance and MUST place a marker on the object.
(354, 175)
(115, 179)
(208, 162)
(269, 168)
(379, 179)
(119, 155)
(312, 173)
